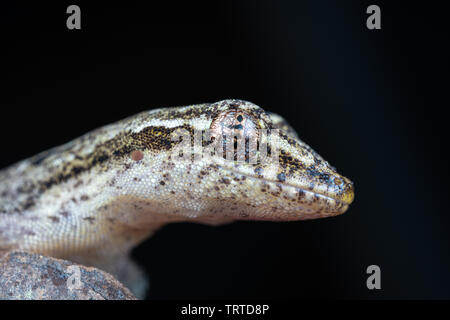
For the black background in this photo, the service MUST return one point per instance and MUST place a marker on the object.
(372, 103)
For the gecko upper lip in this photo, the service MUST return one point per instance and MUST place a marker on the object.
(345, 198)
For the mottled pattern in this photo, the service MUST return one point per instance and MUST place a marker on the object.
(96, 197)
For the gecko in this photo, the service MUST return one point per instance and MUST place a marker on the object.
(93, 199)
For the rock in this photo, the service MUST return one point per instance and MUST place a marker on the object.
(35, 277)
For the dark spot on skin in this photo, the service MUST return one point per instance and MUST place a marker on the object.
(112, 182)
(323, 177)
(84, 198)
(162, 183)
(65, 214)
(79, 183)
(29, 202)
(90, 219)
(77, 170)
(281, 177)
(217, 188)
(239, 118)
(317, 161)
(100, 158)
(288, 139)
(225, 180)
(289, 164)
(54, 219)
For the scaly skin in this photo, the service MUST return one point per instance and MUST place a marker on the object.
(93, 199)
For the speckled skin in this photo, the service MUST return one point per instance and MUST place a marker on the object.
(93, 199)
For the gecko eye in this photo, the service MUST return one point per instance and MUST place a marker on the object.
(234, 123)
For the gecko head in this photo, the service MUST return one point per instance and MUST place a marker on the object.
(278, 177)
(252, 165)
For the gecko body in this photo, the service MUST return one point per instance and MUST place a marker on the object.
(96, 197)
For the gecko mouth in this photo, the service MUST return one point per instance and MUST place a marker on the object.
(343, 198)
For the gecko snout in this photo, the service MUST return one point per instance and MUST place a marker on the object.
(347, 194)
